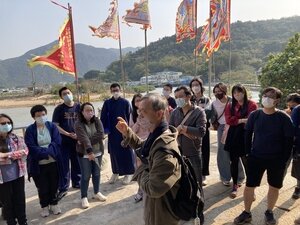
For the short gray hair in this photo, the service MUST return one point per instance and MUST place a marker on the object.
(157, 101)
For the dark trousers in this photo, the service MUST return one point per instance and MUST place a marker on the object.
(205, 153)
(69, 154)
(234, 166)
(197, 165)
(47, 184)
(12, 195)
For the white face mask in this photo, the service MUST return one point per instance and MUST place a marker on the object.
(68, 98)
(41, 119)
(196, 89)
(180, 102)
(116, 94)
(166, 93)
(5, 128)
(267, 102)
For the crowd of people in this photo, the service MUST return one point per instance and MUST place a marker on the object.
(66, 152)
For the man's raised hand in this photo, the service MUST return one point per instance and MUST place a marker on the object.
(122, 126)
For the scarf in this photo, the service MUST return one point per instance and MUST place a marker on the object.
(162, 127)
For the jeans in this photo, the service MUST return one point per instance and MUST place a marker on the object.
(223, 160)
(12, 195)
(47, 184)
(89, 168)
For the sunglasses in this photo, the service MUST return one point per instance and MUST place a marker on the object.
(4, 123)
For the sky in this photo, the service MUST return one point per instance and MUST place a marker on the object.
(29, 24)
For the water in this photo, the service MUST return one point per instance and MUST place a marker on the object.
(22, 118)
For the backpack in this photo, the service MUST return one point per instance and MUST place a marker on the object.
(189, 200)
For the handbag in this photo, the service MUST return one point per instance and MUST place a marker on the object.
(215, 124)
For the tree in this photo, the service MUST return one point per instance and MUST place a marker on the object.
(92, 75)
(283, 70)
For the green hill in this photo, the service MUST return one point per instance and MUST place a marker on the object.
(251, 43)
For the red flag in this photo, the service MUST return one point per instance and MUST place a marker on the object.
(218, 27)
(186, 20)
(61, 57)
(110, 28)
(139, 14)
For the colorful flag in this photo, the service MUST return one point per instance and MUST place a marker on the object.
(139, 14)
(61, 57)
(110, 28)
(186, 25)
(218, 27)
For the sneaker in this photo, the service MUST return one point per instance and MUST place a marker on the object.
(55, 209)
(76, 186)
(113, 178)
(61, 194)
(100, 197)
(45, 212)
(226, 183)
(85, 203)
(234, 190)
(127, 179)
(240, 183)
(269, 218)
(138, 197)
(204, 181)
(296, 193)
(243, 218)
(297, 221)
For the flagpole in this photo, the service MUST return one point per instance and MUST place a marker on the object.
(196, 31)
(121, 57)
(229, 11)
(210, 58)
(146, 59)
(73, 52)
(33, 82)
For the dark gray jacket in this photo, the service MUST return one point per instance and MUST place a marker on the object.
(196, 128)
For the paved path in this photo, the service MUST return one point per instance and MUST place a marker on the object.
(120, 208)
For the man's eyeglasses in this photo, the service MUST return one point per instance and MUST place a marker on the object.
(4, 123)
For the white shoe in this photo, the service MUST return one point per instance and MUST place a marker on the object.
(45, 212)
(127, 179)
(113, 178)
(55, 209)
(100, 197)
(85, 203)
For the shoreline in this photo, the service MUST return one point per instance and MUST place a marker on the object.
(45, 100)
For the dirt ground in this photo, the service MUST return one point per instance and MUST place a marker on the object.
(120, 208)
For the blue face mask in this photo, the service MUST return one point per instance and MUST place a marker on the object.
(41, 119)
(5, 128)
(68, 98)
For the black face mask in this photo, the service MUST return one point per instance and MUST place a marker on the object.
(219, 96)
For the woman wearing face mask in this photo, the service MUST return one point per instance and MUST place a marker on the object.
(90, 149)
(223, 159)
(141, 127)
(204, 102)
(13, 152)
(44, 159)
(236, 115)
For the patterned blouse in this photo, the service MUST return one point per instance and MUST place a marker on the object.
(15, 144)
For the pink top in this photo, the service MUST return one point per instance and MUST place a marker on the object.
(232, 120)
